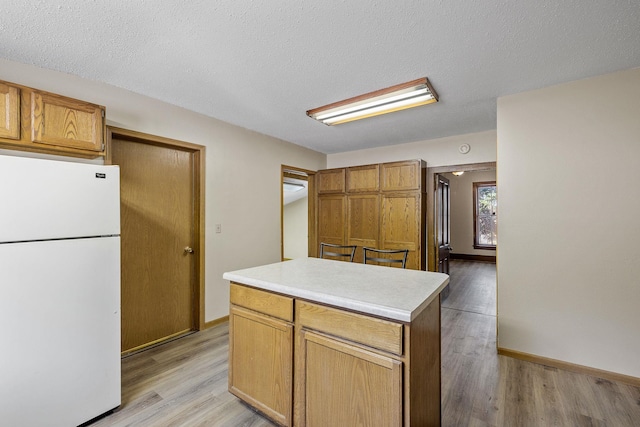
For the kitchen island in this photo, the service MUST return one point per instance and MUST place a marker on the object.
(321, 342)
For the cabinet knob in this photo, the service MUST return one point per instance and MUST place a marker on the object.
(188, 250)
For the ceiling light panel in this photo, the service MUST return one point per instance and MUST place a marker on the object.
(395, 98)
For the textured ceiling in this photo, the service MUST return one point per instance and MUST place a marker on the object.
(261, 65)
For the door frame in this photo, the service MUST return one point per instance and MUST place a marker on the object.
(312, 201)
(432, 172)
(198, 153)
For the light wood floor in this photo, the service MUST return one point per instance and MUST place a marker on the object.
(184, 382)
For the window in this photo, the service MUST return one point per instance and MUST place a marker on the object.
(485, 226)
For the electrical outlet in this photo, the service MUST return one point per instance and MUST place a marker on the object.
(218, 228)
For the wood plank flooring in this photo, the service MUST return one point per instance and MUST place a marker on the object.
(184, 382)
(480, 388)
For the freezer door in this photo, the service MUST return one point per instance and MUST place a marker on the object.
(60, 311)
(48, 199)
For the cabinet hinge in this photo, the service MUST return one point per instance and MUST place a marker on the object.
(102, 112)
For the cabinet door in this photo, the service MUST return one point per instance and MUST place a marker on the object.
(400, 225)
(401, 176)
(9, 111)
(331, 219)
(363, 218)
(331, 181)
(261, 363)
(65, 122)
(345, 385)
(363, 179)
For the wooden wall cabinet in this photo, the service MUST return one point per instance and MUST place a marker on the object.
(261, 351)
(9, 111)
(363, 179)
(382, 206)
(402, 176)
(47, 123)
(330, 181)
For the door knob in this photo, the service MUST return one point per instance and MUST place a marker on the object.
(188, 250)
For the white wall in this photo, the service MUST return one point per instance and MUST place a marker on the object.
(243, 171)
(296, 229)
(436, 152)
(569, 208)
(461, 200)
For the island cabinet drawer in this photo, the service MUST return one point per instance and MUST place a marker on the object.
(370, 331)
(262, 301)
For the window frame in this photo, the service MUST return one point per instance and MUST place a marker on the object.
(476, 187)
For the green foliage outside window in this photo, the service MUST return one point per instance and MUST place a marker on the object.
(486, 217)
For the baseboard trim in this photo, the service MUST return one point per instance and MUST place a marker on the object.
(484, 258)
(215, 322)
(157, 342)
(571, 367)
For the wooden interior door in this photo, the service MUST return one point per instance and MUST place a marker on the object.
(443, 224)
(157, 234)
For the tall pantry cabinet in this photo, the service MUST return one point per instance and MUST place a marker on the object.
(380, 206)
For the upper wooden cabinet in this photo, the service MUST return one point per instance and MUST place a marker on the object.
(402, 176)
(9, 111)
(48, 123)
(331, 181)
(363, 178)
(66, 122)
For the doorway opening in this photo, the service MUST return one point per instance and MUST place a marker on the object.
(457, 251)
(297, 219)
(433, 201)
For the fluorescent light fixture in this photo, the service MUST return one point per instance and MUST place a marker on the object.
(395, 98)
(288, 186)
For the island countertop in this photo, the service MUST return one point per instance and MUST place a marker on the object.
(382, 291)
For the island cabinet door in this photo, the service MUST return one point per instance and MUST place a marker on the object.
(346, 385)
(261, 362)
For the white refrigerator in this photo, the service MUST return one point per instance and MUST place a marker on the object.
(59, 291)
